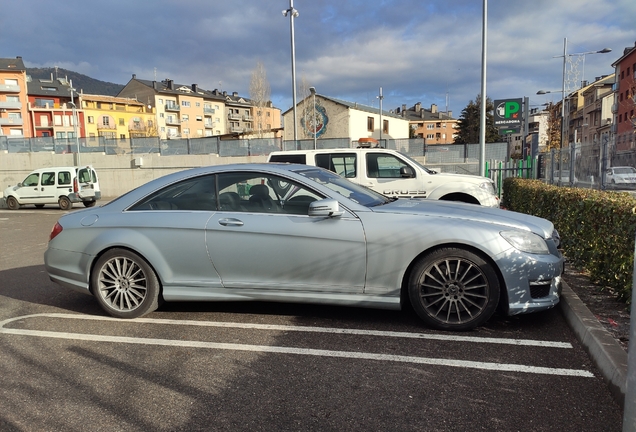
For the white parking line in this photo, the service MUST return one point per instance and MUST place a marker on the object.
(288, 350)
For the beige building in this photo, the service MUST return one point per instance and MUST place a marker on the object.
(335, 118)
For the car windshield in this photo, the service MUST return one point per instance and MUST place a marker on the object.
(344, 187)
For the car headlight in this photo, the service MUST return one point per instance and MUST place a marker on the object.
(488, 186)
(526, 241)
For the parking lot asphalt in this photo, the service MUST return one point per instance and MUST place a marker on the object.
(609, 357)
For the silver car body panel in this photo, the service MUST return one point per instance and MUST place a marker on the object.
(360, 258)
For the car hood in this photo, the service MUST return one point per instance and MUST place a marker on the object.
(450, 177)
(472, 212)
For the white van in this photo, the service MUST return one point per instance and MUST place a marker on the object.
(56, 185)
(394, 174)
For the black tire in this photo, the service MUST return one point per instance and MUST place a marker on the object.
(39, 206)
(89, 203)
(13, 203)
(453, 289)
(65, 203)
(124, 284)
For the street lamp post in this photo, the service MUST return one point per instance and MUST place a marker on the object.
(314, 123)
(381, 125)
(74, 113)
(293, 13)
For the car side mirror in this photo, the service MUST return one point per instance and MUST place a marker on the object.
(407, 171)
(325, 208)
(19, 184)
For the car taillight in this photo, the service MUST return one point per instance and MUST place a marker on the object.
(75, 185)
(57, 228)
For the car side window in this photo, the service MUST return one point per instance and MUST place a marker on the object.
(198, 193)
(63, 178)
(48, 179)
(263, 193)
(31, 180)
(383, 166)
(343, 164)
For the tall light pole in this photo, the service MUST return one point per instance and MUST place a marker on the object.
(75, 123)
(313, 115)
(293, 13)
(381, 125)
(482, 120)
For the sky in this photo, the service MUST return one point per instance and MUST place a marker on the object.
(426, 51)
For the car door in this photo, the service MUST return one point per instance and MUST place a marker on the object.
(275, 246)
(383, 175)
(29, 190)
(85, 179)
(48, 189)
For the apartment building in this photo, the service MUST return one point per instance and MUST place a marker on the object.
(14, 120)
(624, 100)
(51, 109)
(115, 118)
(434, 126)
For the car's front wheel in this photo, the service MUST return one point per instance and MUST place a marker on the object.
(453, 289)
(13, 203)
(125, 285)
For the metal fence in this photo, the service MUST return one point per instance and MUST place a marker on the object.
(585, 166)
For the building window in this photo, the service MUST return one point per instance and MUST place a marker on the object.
(199, 118)
(43, 103)
(12, 82)
(91, 119)
(385, 126)
(430, 136)
(197, 104)
(105, 120)
(122, 137)
(122, 122)
(370, 125)
(430, 126)
(185, 104)
(185, 117)
(160, 101)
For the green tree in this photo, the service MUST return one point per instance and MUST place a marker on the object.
(469, 121)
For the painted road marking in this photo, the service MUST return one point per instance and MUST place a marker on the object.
(281, 350)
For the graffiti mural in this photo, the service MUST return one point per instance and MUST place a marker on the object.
(314, 120)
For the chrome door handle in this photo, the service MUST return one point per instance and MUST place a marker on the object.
(230, 222)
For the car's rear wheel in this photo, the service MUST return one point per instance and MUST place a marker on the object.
(124, 284)
(13, 203)
(65, 203)
(453, 289)
(89, 203)
(39, 206)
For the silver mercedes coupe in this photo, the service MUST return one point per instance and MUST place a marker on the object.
(297, 233)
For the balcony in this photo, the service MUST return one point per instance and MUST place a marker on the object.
(233, 116)
(11, 121)
(614, 108)
(172, 121)
(11, 105)
(172, 107)
(209, 125)
(247, 117)
(9, 88)
(209, 111)
(101, 127)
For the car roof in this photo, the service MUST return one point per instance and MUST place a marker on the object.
(334, 150)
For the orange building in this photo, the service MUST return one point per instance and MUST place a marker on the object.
(14, 119)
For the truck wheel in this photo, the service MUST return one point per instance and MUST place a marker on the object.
(65, 203)
(13, 203)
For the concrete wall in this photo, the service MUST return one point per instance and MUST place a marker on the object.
(117, 173)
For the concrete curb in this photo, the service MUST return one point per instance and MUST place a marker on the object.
(606, 353)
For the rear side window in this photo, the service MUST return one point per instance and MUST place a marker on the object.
(343, 164)
(48, 179)
(198, 193)
(64, 178)
(289, 158)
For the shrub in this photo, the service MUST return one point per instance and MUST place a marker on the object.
(597, 228)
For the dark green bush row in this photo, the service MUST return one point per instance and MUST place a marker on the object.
(597, 228)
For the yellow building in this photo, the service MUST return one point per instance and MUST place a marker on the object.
(116, 118)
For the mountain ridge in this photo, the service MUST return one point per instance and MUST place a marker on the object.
(81, 82)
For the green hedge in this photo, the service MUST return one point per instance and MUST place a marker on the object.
(597, 228)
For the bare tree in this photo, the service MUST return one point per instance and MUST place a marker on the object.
(260, 93)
